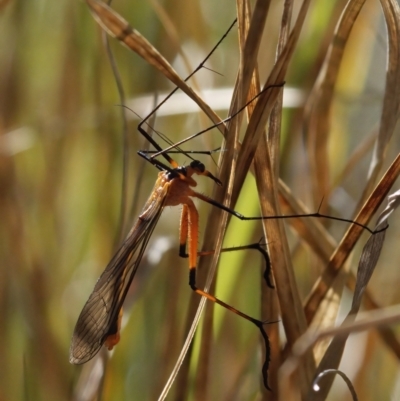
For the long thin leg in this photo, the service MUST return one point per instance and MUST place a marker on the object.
(246, 218)
(257, 246)
(193, 228)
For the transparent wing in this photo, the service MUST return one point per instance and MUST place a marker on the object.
(99, 316)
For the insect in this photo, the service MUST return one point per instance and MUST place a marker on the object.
(100, 319)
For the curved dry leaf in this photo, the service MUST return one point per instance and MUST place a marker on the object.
(391, 101)
(368, 260)
(320, 101)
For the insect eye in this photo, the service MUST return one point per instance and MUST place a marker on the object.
(198, 166)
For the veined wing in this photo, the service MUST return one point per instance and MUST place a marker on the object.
(99, 316)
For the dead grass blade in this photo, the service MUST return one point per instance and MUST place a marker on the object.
(267, 100)
(217, 222)
(317, 118)
(121, 93)
(391, 100)
(245, 18)
(292, 315)
(249, 51)
(213, 238)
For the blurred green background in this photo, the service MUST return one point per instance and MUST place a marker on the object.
(60, 189)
